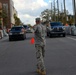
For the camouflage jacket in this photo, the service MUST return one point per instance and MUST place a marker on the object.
(39, 31)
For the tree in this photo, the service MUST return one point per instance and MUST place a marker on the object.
(17, 20)
(3, 15)
(54, 16)
(29, 25)
(46, 14)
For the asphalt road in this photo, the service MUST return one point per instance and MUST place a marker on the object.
(18, 57)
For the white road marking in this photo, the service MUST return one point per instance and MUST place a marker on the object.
(72, 38)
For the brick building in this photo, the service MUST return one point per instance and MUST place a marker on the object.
(9, 11)
(1, 19)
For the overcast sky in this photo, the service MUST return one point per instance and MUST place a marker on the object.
(28, 10)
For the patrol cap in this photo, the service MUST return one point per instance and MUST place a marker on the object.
(38, 19)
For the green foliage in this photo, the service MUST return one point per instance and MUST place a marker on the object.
(17, 20)
(30, 25)
(3, 14)
(54, 16)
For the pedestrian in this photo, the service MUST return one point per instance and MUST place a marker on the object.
(48, 27)
(0, 32)
(39, 32)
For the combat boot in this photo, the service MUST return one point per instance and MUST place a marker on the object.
(38, 71)
(43, 72)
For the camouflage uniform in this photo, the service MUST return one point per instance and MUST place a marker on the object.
(39, 45)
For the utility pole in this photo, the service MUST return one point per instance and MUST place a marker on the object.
(61, 12)
(58, 8)
(61, 8)
(74, 7)
(54, 12)
(64, 10)
(51, 10)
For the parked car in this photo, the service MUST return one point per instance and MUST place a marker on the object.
(27, 28)
(17, 32)
(57, 28)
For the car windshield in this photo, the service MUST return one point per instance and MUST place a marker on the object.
(56, 24)
(16, 28)
(25, 26)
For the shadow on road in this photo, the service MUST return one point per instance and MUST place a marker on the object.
(15, 40)
(27, 38)
(30, 73)
(55, 37)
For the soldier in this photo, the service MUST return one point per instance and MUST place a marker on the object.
(39, 32)
(48, 27)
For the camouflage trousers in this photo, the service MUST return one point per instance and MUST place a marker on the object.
(40, 52)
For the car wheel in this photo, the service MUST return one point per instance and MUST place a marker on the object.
(64, 35)
(50, 35)
(10, 39)
(47, 34)
(23, 37)
(59, 35)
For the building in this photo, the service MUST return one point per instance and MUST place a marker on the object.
(13, 13)
(1, 19)
(8, 10)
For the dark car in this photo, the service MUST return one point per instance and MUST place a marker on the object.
(57, 28)
(27, 28)
(17, 32)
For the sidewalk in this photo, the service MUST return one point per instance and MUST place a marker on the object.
(4, 38)
(3, 34)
